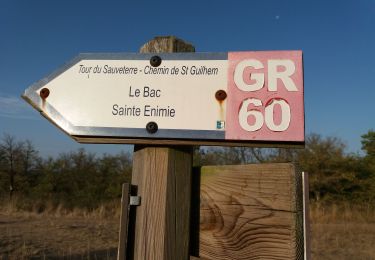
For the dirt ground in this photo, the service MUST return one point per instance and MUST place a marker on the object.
(41, 237)
(67, 237)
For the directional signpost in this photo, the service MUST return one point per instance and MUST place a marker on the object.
(235, 98)
(165, 103)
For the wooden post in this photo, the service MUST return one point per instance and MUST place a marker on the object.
(163, 179)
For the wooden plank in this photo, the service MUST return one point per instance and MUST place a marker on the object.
(251, 212)
(123, 234)
(163, 178)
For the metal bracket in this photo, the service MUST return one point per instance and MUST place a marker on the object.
(135, 200)
(127, 220)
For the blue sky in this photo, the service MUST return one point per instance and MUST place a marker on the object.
(337, 38)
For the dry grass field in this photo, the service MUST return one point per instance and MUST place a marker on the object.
(343, 232)
(337, 233)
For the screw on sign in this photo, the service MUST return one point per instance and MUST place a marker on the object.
(155, 61)
(44, 93)
(220, 95)
(152, 127)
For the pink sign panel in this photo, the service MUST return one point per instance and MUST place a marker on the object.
(265, 96)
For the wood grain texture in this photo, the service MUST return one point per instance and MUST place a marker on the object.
(250, 212)
(163, 179)
(166, 44)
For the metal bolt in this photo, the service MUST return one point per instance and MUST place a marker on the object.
(220, 95)
(152, 127)
(155, 61)
(44, 93)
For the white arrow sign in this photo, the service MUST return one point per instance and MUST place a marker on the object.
(133, 98)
